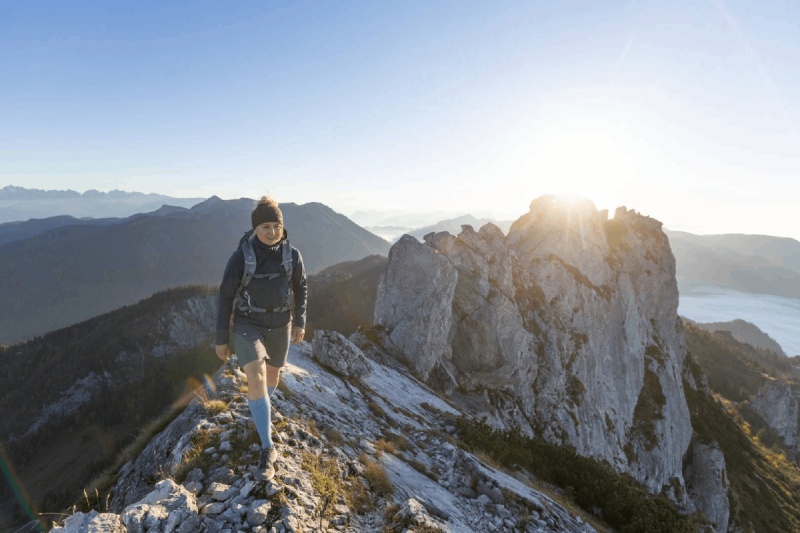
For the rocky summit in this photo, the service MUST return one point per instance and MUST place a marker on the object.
(373, 453)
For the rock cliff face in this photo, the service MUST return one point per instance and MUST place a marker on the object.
(568, 325)
(778, 403)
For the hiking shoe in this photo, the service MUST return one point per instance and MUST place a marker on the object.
(271, 454)
(266, 459)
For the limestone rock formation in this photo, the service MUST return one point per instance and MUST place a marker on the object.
(570, 320)
(778, 403)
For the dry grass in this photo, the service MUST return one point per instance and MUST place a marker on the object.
(334, 436)
(215, 407)
(384, 446)
(194, 457)
(359, 498)
(377, 477)
(326, 480)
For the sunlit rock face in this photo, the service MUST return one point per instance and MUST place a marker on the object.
(571, 315)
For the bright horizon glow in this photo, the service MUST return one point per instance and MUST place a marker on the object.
(685, 111)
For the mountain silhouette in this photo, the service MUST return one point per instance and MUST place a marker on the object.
(758, 264)
(69, 273)
(19, 203)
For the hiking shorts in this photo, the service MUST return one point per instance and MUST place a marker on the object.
(251, 343)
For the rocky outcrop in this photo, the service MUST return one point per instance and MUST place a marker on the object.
(778, 403)
(333, 350)
(91, 522)
(707, 483)
(419, 285)
(570, 321)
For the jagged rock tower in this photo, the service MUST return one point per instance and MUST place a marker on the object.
(568, 325)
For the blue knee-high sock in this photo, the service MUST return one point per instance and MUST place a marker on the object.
(260, 411)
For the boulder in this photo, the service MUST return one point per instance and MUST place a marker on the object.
(333, 350)
(92, 522)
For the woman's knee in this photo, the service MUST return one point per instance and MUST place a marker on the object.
(255, 371)
(273, 376)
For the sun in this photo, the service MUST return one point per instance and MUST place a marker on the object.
(575, 158)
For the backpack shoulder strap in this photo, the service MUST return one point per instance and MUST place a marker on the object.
(249, 259)
(286, 260)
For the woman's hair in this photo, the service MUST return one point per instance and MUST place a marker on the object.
(266, 210)
(268, 200)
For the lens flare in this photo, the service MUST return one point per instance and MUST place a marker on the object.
(19, 491)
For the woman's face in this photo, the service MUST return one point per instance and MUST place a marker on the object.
(269, 232)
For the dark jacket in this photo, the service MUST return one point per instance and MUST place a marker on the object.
(265, 293)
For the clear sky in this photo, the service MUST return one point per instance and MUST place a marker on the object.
(686, 111)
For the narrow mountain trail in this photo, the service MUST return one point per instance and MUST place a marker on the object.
(375, 453)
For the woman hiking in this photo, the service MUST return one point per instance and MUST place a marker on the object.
(268, 306)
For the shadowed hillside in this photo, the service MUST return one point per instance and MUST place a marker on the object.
(102, 267)
(342, 296)
(73, 398)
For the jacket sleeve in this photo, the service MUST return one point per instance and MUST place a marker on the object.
(300, 289)
(227, 292)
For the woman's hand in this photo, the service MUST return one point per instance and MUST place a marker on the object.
(297, 335)
(223, 352)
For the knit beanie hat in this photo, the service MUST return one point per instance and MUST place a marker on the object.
(266, 210)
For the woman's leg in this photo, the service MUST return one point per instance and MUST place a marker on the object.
(258, 401)
(277, 346)
(273, 378)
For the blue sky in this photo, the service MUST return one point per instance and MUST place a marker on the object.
(686, 111)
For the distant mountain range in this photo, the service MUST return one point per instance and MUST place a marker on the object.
(19, 203)
(758, 264)
(63, 271)
(391, 226)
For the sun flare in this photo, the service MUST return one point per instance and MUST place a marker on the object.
(576, 159)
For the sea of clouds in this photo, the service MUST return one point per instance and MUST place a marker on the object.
(776, 316)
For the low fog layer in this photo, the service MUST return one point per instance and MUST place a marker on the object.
(778, 317)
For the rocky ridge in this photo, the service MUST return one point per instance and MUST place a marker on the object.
(385, 438)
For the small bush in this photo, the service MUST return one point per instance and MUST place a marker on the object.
(326, 480)
(399, 441)
(376, 409)
(195, 458)
(358, 498)
(377, 477)
(334, 436)
(384, 446)
(215, 407)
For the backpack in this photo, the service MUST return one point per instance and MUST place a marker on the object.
(242, 300)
